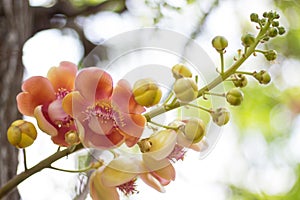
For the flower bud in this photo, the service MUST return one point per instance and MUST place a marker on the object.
(185, 89)
(180, 71)
(270, 55)
(221, 116)
(263, 77)
(72, 137)
(194, 130)
(281, 30)
(146, 92)
(234, 96)
(273, 32)
(219, 43)
(248, 39)
(21, 133)
(275, 23)
(240, 80)
(254, 17)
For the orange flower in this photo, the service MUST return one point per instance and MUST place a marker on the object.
(122, 172)
(42, 98)
(105, 116)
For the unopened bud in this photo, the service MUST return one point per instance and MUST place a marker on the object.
(180, 71)
(194, 130)
(234, 96)
(185, 89)
(254, 17)
(221, 116)
(240, 80)
(273, 32)
(248, 39)
(270, 55)
(263, 77)
(21, 133)
(72, 137)
(146, 92)
(219, 43)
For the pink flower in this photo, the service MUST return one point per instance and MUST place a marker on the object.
(42, 97)
(121, 174)
(106, 116)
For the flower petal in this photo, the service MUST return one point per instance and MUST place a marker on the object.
(37, 90)
(132, 125)
(121, 170)
(63, 76)
(94, 84)
(165, 174)
(55, 111)
(152, 182)
(123, 100)
(91, 139)
(43, 122)
(74, 105)
(98, 190)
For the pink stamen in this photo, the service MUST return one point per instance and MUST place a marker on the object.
(178, 153)
(128, 188)
(61, 93)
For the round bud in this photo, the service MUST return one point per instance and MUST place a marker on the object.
(263, 77)
(281, 30)
(234, 97)
(180, 71)
(146, 92)
(194, 130)
(275, 23)
(273, 32)
(221, 116)
(219, 43)
(240, 80)
(185, 89)
(254, 17)
(265, 14)
(248, 40)
(71, 137)
(270, 55)
(21, 133)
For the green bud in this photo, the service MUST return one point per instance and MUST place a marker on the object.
(266, 38)
(194, 130)
(270, 55)
(248, 39)
(265, 14)
(254, 17)
(281, 30)
(180, 71)
(146, 92)
(219, 43)
(221, 116)
(234, 97)
(263, 77)
(240, 80)
(275, 23)
(185, 89)
(273, 32)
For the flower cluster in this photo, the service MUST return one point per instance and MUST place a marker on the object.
(84, 107)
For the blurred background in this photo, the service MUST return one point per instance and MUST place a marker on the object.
(258, 153)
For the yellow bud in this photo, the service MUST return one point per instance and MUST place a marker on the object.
(221, 116)
(180, 71)
(146, 92)
(194, 130)
(185, 89)
(219, 43)
(234, 96)
(72, 137)
(21, 133)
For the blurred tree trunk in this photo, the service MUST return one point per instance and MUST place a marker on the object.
(15, 29)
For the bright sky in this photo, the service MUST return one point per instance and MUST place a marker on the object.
(200, 179)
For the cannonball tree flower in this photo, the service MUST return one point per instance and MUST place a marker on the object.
(121, 174)
(41, 97)
(106, 116)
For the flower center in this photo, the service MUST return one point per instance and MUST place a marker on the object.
(177, 153)
(103, 111)
(61, 93)
(128, 188)
(66, 122)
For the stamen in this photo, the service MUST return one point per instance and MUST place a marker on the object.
(128, 188)
(178, 153)
(61, 93)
